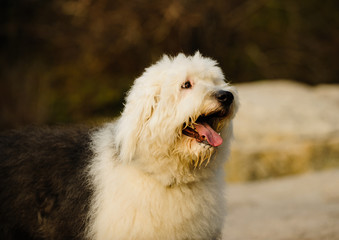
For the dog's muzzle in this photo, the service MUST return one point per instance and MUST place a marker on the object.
(205, 128)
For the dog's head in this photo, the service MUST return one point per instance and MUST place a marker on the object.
(177, 109)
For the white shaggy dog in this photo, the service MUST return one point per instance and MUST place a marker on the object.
(154, 180)
(154, 174)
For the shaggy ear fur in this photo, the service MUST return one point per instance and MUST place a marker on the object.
(138, 110)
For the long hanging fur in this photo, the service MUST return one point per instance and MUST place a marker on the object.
(137, 178)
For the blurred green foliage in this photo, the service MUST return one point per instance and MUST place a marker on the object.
(71, 60)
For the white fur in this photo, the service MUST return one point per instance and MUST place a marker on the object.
(147, 183)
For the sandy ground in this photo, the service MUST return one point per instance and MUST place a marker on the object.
(304, 207)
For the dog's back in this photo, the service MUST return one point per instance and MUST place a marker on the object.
(43, 190)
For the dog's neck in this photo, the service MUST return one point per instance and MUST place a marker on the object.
(172, 172)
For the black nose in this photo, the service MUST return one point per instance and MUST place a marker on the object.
(224, 97)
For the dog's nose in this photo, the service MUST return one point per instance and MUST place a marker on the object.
(224, 97)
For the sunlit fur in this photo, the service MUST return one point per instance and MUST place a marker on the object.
(150, 181)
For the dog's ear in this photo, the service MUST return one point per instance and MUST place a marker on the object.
(140, 104)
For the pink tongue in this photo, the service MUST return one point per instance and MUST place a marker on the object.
(210, 135)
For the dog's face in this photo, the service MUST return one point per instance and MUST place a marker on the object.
(202, 105)
(178, 108)
(210, 104)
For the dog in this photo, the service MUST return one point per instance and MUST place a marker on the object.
(153, 173)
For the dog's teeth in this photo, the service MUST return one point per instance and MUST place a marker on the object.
(219, 133)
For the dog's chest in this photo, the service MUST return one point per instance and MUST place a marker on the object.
(134, 207)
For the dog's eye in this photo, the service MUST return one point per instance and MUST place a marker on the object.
(186, 85)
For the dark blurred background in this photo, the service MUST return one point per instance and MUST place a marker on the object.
(64, 61)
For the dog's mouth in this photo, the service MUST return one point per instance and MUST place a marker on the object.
(205, 128)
